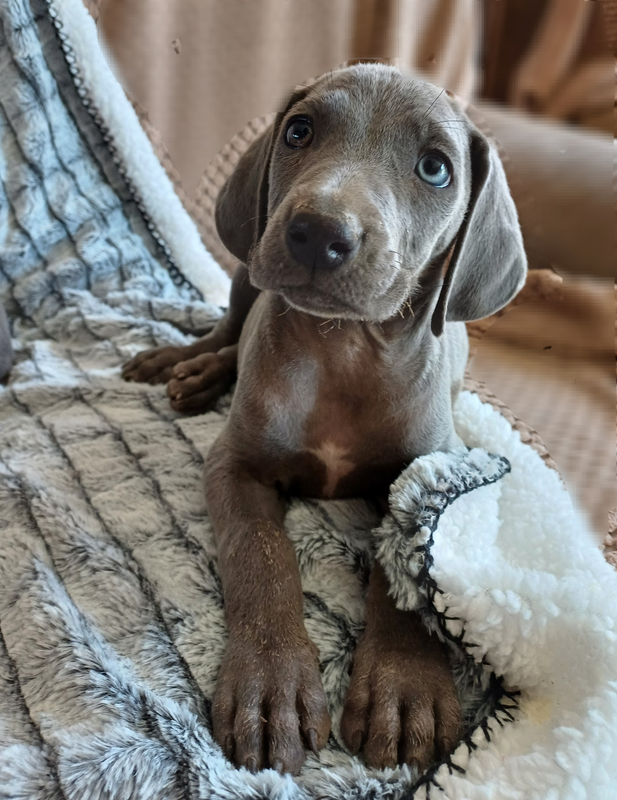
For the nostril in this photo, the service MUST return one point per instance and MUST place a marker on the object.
(340, 248)
(298, 237)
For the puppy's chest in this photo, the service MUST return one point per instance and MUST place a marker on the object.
(336, 433)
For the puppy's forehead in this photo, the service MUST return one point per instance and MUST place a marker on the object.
(381, 97)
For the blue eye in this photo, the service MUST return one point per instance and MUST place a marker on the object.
(299, 133)
(433, 169)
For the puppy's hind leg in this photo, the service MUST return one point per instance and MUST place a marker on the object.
(157, 365)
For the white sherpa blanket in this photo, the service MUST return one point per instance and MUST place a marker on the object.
(111, 617)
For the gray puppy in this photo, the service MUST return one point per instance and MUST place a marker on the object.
(374, 219)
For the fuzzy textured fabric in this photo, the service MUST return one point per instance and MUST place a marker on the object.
(111, 614)
(76, 165)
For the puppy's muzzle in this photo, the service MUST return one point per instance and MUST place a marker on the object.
(321, 242)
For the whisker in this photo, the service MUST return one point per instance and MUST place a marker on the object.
(252, 219)
(432, 105)
(451, 122)
(400, 260)
(311, 89)
(328, 78)
(284, 312)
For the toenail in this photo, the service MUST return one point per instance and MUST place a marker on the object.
(356, 741)
(312, 739)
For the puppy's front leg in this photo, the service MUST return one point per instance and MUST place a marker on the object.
(402, 705)
(269, 702)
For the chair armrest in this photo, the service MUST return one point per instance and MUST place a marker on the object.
(569, 174)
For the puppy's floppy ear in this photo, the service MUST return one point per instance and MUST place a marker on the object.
(241, 212)
(488, 264)
(237, 207)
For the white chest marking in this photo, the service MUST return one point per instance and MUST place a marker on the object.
(336, 462)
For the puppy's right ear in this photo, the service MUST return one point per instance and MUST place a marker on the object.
(241, 212)
(237, 205)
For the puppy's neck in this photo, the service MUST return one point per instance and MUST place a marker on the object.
(408, 330)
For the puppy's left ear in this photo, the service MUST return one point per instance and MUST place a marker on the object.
(488, 264)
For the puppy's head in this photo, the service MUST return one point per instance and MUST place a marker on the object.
(349, 205)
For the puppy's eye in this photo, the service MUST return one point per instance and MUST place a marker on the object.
(434, 170)
(299, 133)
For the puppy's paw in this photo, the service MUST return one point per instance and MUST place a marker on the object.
(196, 384)
(269, 704)
(401, 706)
(153, 366)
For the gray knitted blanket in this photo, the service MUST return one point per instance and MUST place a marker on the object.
(111, 613)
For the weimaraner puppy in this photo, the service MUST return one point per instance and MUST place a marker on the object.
(372, 219)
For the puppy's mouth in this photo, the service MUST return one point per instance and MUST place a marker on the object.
(312, 301)
(300, 288)
(320, 295)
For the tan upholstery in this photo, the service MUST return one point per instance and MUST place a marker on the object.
(569, 174)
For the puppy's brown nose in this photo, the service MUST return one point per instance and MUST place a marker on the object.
(320, 242)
